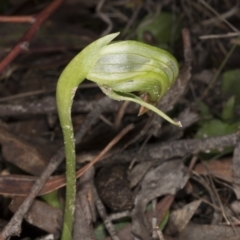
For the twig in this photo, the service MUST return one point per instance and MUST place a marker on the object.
(216, 214)
(168, 150)
(235, 41)
(104, 17)
(227, 35)
(218, 15)
(17, 19)
(222, 16)
(47, 105)
(120, 114)
(154, 219)
(220, 203)
(107, 221)
(24, 42)
(40, 92)
(85, 209)
(131, 20)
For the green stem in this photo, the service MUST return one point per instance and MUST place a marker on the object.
(69, 142)
(71, 77)
(70, 183)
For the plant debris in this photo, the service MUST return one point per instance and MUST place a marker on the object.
(153, 180)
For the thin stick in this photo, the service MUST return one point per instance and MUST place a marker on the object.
(17, 19)
(227, 35)
(24, 42)
(219, 16)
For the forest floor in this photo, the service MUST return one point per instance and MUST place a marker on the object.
(158, 181)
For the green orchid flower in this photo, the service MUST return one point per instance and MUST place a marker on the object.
(124, 71)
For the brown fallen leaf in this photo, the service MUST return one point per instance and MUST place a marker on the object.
(41, 215)
(208, 232)
(21, 153)
(20, 185)
(180, 218)
(221, 168)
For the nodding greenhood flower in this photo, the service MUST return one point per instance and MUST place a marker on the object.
(128, 67)
(131, 66)
(124, 71)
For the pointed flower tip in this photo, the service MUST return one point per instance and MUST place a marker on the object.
(178, 124)
(114, 34)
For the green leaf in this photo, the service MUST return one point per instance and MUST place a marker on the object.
(204, 110)
(164, 28)
(164, 222)
(215, 127)
(231, 84)
(228, 109)
(100, 230)
(52, 199)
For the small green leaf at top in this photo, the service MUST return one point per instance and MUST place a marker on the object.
(204, 110)
(52, 199)
(228, 109)
(216, 127)
(231, 84)
(165, 28)
(101, 232)
(164, 221)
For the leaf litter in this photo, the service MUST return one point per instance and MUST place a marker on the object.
(201, 202)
